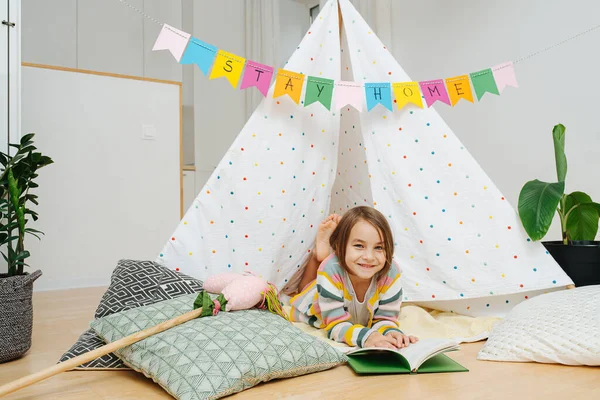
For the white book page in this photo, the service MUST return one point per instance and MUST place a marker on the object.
(417, 353)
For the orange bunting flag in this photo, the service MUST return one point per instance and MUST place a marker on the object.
(459, 87)
(228, 65)
(407, 92)
(289, 83)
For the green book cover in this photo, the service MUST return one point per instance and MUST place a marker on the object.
(394, 364)
(425, 356)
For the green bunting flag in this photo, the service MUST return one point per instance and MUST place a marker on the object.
(319, 89)
(483, 81)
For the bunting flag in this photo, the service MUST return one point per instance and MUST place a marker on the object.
(434, 91)
(318, 89)
(459, 87)
(258, 75)
(378, 93)
(348, 93)
(407, 92)
(171, 39)
(483, 81)
(199, 53)
(228, 65)
(504, 74)
(190, 50)
(290, 83)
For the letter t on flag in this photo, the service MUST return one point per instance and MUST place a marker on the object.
(258, 75)
(171, 39)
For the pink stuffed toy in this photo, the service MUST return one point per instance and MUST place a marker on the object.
(244, 291)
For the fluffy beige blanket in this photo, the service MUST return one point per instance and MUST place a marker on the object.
(426, 323)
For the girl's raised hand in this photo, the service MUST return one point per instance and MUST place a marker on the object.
(376, 339)
(401, 340)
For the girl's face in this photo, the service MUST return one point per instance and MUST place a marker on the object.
(365, 255)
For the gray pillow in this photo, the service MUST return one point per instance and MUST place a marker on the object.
(215, 356)
(134, 283)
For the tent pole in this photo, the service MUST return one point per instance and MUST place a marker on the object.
(340, 21)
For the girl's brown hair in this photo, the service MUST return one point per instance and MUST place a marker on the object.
(340, 236)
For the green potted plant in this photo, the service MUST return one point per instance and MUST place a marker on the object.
(577, 253)
(16, 286)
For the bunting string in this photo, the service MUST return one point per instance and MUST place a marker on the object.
(190, 50)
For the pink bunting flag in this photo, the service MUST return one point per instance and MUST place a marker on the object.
(504, 74)
(172, 39)
(258, 75)
(348, 93)
(434, 91)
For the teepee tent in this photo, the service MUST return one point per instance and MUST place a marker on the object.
(459, 243)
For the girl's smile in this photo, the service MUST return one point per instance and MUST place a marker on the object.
(365, 253)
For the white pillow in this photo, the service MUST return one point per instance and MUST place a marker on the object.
(559, 327)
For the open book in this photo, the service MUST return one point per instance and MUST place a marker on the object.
(425, 356)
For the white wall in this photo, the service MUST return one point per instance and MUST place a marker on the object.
(104, 36)
(510, 135)
(109, 193)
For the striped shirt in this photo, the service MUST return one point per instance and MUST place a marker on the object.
(321, 304)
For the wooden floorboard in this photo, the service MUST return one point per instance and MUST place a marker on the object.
(61, 316)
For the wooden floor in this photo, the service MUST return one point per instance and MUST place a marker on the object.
(61, 316)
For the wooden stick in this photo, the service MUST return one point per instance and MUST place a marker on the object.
(92, 355)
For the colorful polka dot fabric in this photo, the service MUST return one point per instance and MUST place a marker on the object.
(459, 243)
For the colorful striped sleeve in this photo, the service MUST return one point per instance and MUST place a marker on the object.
(387, 315)
(330, 288)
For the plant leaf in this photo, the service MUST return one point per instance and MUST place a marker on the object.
(582, 223)
(537, 204)
(582, 216)
(33, 230)
(558, 134)
(33, 234)
(27, 138)
(22, 255)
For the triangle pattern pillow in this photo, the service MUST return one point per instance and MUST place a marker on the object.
(215, 356)
(133, 283)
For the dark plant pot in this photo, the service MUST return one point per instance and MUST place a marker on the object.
(579, 259)
(16, 314)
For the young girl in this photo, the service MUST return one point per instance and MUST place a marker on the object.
(355, 292)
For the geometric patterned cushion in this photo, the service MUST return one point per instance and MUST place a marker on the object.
(558, 327)
(215, 356)
(133, 284)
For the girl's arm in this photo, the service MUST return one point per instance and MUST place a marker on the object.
(387, 315)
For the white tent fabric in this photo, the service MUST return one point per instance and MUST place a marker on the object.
(459, 243)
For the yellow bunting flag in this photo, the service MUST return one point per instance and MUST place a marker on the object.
(407, 92)
(228, 65)
(289, 83)
(459, 87)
